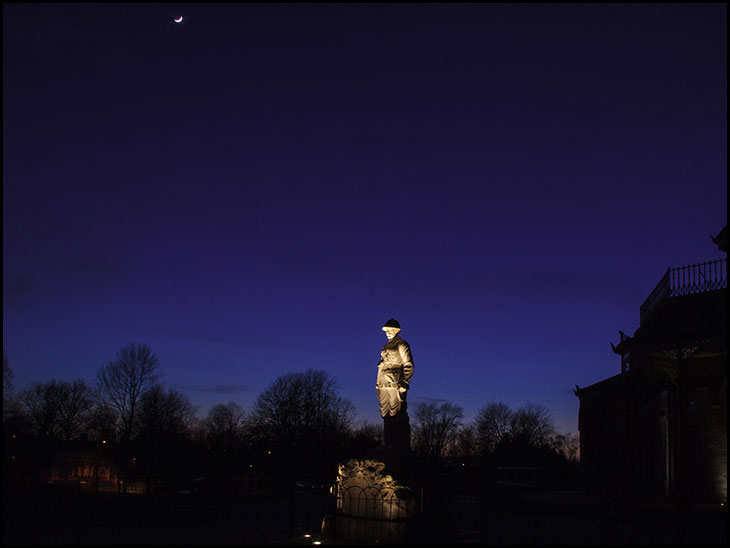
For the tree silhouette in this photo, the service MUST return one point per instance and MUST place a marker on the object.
(42, 403)
(101, 423)
(58, 409)
(493, 424)
(163, 426)
(7, 377)
(436, 427)
(466, 445)
(224, 427)
(76, 404)
(164, 415)
(364, 436)
(124, 380)
(533, 423)
(527, 434)
(302, 421)
(11, 408)
(224, 435)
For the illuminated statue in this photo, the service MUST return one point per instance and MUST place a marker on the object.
(394, 374)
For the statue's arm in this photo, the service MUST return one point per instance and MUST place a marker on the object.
(405, 354)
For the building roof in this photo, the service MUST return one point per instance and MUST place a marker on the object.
(609, 384)
(721, 239)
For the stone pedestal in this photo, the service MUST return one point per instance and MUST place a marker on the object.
(371, 505)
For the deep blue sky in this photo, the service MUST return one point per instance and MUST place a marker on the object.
(257, 190)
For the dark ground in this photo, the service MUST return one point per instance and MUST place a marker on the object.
(52, 516)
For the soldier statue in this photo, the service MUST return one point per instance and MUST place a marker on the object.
(395, 370)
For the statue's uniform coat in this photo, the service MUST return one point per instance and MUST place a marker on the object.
(394, 373)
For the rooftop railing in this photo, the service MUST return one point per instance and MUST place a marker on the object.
(686, 280)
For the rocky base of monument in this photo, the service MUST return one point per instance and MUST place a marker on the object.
(372, 506)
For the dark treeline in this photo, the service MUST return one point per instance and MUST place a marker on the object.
(297, 431)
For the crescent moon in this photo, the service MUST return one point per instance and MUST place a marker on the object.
(178, 20)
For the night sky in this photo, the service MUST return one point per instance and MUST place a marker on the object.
(256, 190)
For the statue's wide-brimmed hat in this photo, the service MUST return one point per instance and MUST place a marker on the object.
(391, 323)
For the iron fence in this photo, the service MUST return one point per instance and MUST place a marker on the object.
(374, 515)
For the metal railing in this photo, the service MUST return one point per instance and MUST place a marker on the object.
(686, 280)
(374, 515)
(377, 516)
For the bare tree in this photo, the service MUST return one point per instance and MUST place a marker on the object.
(363, 437)
(436, 427)
(58, 409)
(11, 408)
(42, 405)
(7, 377)
(532, 423)
(370, 431)
(466, 443)
(102, 421)
(124, 380)
(224, 426)
(301, 406)
(303, 421)
(163, 427)
(164, 415)
(76, 404)
(493, 425)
